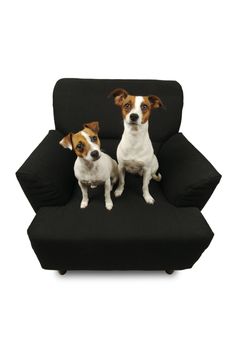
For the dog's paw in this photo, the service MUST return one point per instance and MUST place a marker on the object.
(118, 192)
(149, 199)
(109, 205)
(83, 204)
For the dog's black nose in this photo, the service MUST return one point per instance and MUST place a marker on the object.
(134, 117)
(95, 154)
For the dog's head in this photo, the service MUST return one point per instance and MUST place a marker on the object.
(85, 143)
(136, 110)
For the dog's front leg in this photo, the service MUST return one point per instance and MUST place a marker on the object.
(85, 199)
(121, 184)
(107, 190)
(145, 188)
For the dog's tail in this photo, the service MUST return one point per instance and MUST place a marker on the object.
(157, 177)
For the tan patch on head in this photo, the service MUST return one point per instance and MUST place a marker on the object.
(146, 109)
(149, 103)
(127, 105)
(93, 136)
(80, 145)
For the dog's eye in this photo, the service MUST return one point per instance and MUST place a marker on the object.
(127, 106)
(79, 146)
(144, 107)
(93, 138)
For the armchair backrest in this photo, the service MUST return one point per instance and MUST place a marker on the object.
(76, 101)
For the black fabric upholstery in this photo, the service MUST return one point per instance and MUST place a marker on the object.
(47, 176)
(171, 234)
(189, 178)
(132, 235)
(77, 101)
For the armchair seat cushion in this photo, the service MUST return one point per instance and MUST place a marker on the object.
(133, 235)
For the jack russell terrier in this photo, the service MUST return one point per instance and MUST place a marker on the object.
(92, 166)
(135, 152)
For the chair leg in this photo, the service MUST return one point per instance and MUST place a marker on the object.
(169, 272)
(62, 272)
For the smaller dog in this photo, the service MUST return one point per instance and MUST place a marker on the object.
(92, 166)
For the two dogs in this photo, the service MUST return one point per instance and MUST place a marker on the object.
(135, 152)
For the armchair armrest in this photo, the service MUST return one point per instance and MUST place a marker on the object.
(188, 178)
(47, 176)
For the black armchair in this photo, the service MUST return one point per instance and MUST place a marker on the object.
(169, 235)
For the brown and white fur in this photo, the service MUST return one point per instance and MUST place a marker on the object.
(135, 152)
(92, 166)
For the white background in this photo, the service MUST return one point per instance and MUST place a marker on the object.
(42, 41)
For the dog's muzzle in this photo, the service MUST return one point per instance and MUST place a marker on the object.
(95, 155)
(133, 117)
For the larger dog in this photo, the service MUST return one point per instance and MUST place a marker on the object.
(135, 152)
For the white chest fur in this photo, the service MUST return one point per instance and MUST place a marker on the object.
(135, 151)
(93, 173)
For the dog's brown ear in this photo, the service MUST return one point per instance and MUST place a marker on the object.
(119, 95)
(66, 142)
(155, 101)
(94, 126)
